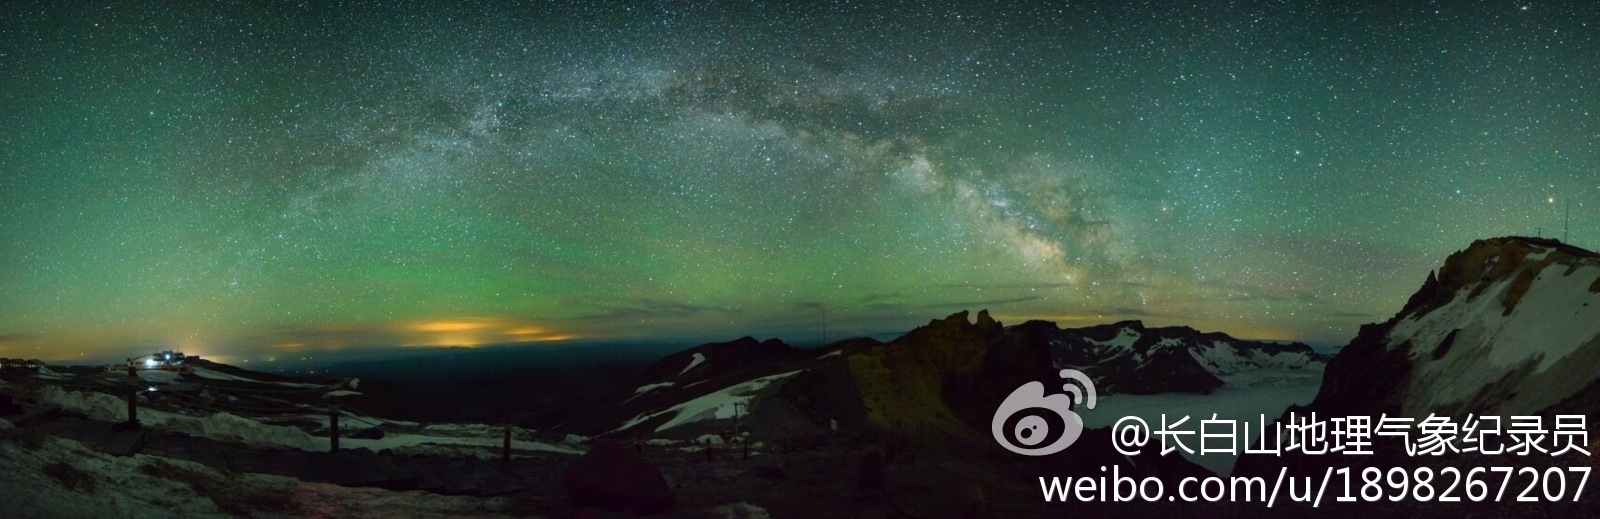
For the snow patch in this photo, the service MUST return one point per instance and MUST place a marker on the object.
(698, 358)
(741, 510)
(651, 387)
(1123, 341)
(218, 375)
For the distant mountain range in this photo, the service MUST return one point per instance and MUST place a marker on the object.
(1127, 357)
(940, 382)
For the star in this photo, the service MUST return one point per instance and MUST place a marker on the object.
(300, 178)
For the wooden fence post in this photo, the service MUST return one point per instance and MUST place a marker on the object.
(333, 427)
(505, 452)
(133, 405)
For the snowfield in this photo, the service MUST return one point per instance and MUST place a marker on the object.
(45, 373)
(718, 405)
(1221, 358)
(218, 375)
(219, 426)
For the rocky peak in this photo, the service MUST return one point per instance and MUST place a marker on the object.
(1504, 325)
(1131, 323)
(955, 327)
(1488, 262)
(986, 323)
(955, 319)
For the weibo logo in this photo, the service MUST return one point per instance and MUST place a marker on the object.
(1031, 416)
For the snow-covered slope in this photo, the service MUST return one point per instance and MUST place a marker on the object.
(1222, 357)
(213, 374)
(694, 385)
(1509, 326)
(1506, 327)
(717, 405)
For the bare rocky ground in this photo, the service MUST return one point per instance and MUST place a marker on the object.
(793, 479)
(816, 482)
(820, 476)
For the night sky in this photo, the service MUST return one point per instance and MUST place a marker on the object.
(237, 179)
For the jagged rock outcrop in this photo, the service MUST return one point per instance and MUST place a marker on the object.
(987, 324)
(903, 383)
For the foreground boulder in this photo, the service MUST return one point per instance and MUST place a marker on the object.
(615, 478)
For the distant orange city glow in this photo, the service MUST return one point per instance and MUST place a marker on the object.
(450, 326)
(469, 332)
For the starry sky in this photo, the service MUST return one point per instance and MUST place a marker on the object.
(243, 179)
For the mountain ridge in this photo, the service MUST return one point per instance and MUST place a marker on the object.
(1507, 326)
